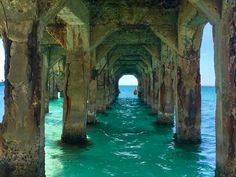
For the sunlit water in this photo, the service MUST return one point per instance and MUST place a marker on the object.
(126, 142)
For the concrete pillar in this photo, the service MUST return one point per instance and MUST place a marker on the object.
(225, 67)
(76, 86)
(107, 89)
(46, 75)
(100, 101)
(22, 130)
(155, 91)
(53, 90)
(188, 95)
(145, 88)
(150, 90)
(91, 119)
(166, 97)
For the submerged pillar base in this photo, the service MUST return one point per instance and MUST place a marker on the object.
(74, 134)
(91, 118)
(165, 119)
(188, 137)
(229, 171)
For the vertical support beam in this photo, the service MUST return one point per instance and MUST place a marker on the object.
(76, 86)
(46, 76)
(166, 98)
(225, 67)
(107, 89)
(100, 101)
(155, 91)
(150, 90)
(188, 98)
(145, 88)
(22, 131)
(91, 119)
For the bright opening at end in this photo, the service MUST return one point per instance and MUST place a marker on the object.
(128, 86)
(128, 80)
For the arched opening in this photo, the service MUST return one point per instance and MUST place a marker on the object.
(2, 61)
(208, 99)
(128, 86)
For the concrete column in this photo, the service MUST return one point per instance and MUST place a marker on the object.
(155, 91)
(46, 75)
(188, 96)
(150, 90)
(91, 118)
(53, 90)
(100, 101)
(145, 88)
(166, 97)
(225, 67)
(107, 89)
(22, 130)
(76, 86)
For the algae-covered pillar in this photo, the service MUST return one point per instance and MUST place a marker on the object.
(100, 99)
(188, 88)
(155, 103)
(91, 118)
(166, 96)
(22, 131)
(150, 89)
(225, 62)
(76, 85)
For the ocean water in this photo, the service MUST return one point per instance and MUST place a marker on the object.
(126, 142)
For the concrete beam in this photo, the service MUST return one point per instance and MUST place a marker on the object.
(209, 8)
(75, 13)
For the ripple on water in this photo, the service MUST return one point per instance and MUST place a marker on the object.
(126, 142)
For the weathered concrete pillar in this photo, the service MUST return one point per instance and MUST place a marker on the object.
(107, 89)
(150, 90)
(166, 96)
(145, 88)
(91, 118)
(53, 89)
(46, 75)
(76, 86)
(188, 98)
(22, 130)
(111, 90)
(225, 67)
(155, 91)
(100, 101)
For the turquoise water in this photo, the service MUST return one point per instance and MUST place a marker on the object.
(126, 142)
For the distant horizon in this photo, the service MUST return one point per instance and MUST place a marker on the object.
(201, 85)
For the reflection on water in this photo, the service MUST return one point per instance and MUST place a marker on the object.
(126, 142)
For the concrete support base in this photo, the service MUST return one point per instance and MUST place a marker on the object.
(165, 119)
(229, 171)
(188, 137)
(91, 118)
(74, 134)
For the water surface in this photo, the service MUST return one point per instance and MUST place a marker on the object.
(126, 142)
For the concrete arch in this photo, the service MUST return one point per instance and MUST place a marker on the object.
(127, 36)
(126, 50)
(131, 63)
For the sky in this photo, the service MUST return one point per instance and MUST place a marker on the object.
(206, 62)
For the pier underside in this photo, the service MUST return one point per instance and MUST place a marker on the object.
(81, 48)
